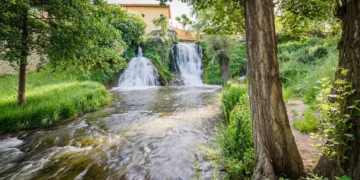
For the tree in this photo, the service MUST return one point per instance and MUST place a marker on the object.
(276, 151)
(275, 148)
(184, 20)
(163, 23)
(66, 32)
(220, 47)
(349, 59)
(308, 16)
(348, 12)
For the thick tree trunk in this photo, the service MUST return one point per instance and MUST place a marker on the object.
(23, 60)
(275, 148)
(224, 69)
(349, 58)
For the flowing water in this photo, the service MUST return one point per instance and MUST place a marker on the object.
(189, 62)
(154, 133)
(140, 73)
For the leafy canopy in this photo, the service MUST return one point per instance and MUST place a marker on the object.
(67, 32)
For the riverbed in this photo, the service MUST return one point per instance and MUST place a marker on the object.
(152, 133)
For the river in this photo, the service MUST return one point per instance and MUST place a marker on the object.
(153, 133)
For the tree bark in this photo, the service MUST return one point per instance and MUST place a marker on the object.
(275, 148)
(23, 59)
(224, 69)
(349, 58)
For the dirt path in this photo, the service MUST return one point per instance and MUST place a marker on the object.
(305, 143)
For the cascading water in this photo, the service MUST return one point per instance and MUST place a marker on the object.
(188, 61)
(141, 72)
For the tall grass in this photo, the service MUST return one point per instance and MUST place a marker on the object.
(302, 64)
(51, 96)
(236, 138)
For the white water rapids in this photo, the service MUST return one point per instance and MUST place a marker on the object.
(189, 62)
(140, 73)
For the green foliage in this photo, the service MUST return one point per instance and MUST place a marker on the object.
(220, 47)
(68, 33)
(236, 139)
(184, 20)
(52, 96)
(310, 123)
(335, 115)
(212, 74)
(308, 17)
(132, 27)
(157, 49)
(220, 17)
(303, 63)
(162, 22)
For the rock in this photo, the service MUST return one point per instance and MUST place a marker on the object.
(177, 81)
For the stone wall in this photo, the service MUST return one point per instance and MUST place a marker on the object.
(33, 61)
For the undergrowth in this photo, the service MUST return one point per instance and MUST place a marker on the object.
(236, 137)
(302, 64)
(309, 123)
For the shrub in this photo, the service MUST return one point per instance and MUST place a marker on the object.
(308, 124)
(320, 52)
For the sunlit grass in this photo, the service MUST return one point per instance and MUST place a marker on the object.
(308, 124)
(50, 97)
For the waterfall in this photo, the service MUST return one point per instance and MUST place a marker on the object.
(188, 61)
(139, 73)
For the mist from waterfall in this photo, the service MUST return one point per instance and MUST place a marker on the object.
(140, 73)
(189, 63)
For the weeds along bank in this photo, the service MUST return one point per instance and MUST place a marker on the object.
(51, 97)
(235, 140)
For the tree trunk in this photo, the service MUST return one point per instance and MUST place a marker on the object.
(275, 148)
(225, 70)
(23, 59)
(349, 58)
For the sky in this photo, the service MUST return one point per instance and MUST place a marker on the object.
(177, 7)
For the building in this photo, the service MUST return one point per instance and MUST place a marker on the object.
(182, 35)
(149, 12)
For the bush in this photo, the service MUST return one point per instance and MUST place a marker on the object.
(308, 124)
(314, 59)
(320, 52)
(236, 139)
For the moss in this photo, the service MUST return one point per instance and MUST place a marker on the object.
(86, 142)
(162, 76)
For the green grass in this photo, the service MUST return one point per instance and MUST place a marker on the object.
(302, 64)
(51, 96)
(308, 124)
(236, 141)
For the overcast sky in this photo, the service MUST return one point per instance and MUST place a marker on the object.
(177, 7)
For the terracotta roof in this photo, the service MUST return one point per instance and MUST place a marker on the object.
(147, 5)
(182, 35)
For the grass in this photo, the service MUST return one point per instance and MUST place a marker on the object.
(308, 124)
(236, 141)
(302, 64)
(51, 97)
